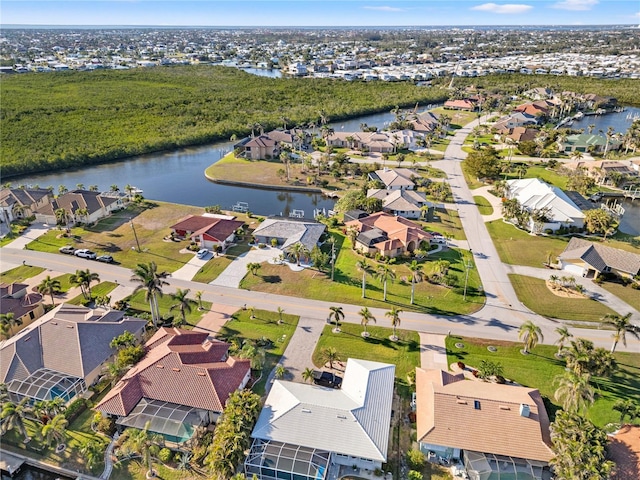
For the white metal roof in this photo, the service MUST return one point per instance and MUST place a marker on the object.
(352, 421)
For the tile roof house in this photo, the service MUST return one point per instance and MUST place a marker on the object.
(534, 194)
(382, 142)
(523, 134)
(517, 119)
(494, 429)
(320, 432)
(390, 235)
(258, 148)
(395, 178)
(25, 306)
(424, 123)
(403, 203)
(460, 105)
(97, 206)
(289, 231)
(22, 202)
(604, 171)
(295, 137)
(589, 259)
(62, 352)
(208, 230)
(183, 371)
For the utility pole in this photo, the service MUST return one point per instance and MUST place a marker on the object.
(468, 266)
(135, 235)
(333, 256)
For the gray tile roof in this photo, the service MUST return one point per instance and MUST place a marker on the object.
(601, 256)
(291, 231)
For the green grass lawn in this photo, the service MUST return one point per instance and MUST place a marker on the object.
(98, 290)
(405, 353)
(137, 302)
(65, 282)
(484, 207)
(20, 274)
(265, 324)
(135, 470)
(626, 294)
(217, 265)
(517, 247)
(459, 118)
(539, 369)
(447, 222)
(347, 287)
(534, 293)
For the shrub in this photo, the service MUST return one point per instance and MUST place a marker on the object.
(106, 426)
(461, 365)
(75, 409)
(415, 458)
(414, 475)
(165, 455)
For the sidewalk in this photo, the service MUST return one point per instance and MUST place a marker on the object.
(433, 352)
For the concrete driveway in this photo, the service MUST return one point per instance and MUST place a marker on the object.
(235, 272)
(29, 235)
(189, 270)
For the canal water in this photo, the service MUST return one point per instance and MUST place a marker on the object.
(27, 472)
(619, 121)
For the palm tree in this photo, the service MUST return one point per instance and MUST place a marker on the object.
(49, 286)
(9, 322)
(563, 335)
(280, 371)
(254, 267)
(416, 270)
(385, 274)
(115, 370)
(280, 312)
(183, 304)
(307, 374)
(330, 354)
(394, 315)
(62, 189)
(92, 452)
(14, 415)
(622, 326)
(148, 277)
(55, 429)
(365, 268)
(61, 216)
(298, 250)
(337, 314)
(199, 294)
(530, 334)
(574, 391)
(145, 444)
(366, 317)
(83, 278)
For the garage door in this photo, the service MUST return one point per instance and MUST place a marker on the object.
(573, 269)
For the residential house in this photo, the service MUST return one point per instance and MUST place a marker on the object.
(22, 202)
(81, 206)
(523, 134)
(380, 142)
(517, 119)
(24, 306)
(295, 138)
(589, 259)
(308, 432)
(605, 172)
(395, 178)
(261, 147)
(535, 195)
(289, 231)
(460, 105)
(63, 352)
(586, 142)
(539, 93)
(387, 234)
(495, 430)
(209, 230)
(535, 109)
(403, 203)
(424, 123)
(182, 383)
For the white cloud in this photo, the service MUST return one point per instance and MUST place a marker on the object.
(384, 8)
(575, 4)
(637, 14)
(508, 8)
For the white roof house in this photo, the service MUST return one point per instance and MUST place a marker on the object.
(349, 426)
(534, 194)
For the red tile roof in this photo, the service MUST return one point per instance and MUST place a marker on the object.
(181, 367)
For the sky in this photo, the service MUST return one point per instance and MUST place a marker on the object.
(320, 12)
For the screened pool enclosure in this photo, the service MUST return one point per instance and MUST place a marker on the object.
(45, 384)
(271, 460)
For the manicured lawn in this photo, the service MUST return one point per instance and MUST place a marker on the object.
(265, 324)
(20, 274)
(347, 287)
(537, 297)
(137, 302)
(217, 265)
(484, 207)
(65, 282)
(99, 290)
(135, 470)
(539, 369)
(405, 353)
(114, 236)
(519, 248)
(627, 294)
(458, 117)
(447, 222)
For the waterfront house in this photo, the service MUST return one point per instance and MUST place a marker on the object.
(24, 306)
(81, 206)
(424, 123)
(62, 352)
(182, 383)
(308, 432)
(460, 105)
(22, 202)
(403, 203)
(261, 147)
(380, 142)
(209, 230)
(589, 259)
(493, 429)
(289, 231)
(295, 138)
(387, 234)
(586, 142)
(395, 178)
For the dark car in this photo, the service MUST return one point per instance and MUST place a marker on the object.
(326, 379)
(105, 258)
(68, 249)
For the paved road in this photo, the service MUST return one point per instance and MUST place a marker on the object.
(494, 321)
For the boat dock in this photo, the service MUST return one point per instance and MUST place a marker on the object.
(10, 463)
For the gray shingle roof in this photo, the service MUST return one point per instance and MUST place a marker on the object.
(601, 256)
(291, 231)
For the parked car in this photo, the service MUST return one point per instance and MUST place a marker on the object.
(68, 249)
(85, 253)
(105, 258)
(202, 253)
(326, 379)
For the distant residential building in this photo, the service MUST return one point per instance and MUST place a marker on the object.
(395, 178)
(307, 432)
(589, 259)
(460, 105)
(208, 230)
(22, 202)
(493, 429)
(261, 147)
(81, 206)
(586, 142)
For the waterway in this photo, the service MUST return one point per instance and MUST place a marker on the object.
(619, 121)
(27, 472)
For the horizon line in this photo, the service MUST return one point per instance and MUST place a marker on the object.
(45, 25)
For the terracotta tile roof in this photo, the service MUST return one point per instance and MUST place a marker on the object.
(396, 228)
(624, 450)
(181, 367)
(482, 417)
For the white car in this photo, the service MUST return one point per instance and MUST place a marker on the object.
(85, 253)
(202, 253)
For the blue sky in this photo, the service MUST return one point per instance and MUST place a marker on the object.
(320, 12)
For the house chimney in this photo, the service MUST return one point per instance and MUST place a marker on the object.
(524, 410)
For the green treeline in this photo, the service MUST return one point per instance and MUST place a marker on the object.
(67, 119)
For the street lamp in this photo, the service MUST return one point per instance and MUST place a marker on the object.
(135, 235)
(468, 266)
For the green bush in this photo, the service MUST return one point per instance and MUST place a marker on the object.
(75, 409)
(165, 455)
(414, 475)
(415, 459)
